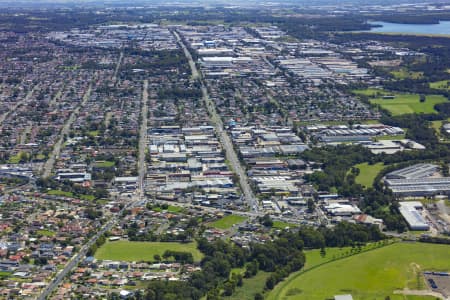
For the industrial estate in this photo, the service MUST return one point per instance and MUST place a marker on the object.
(224, 151)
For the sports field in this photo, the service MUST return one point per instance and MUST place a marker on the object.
(402, 103)
(142, 251)
(374, 274)
(228, 221)
(367, 173)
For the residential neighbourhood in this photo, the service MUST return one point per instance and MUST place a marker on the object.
(184, 152)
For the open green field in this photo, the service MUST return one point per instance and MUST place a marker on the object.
(45, 232)
(143, 251)
(367, 173)
(228, 221)
(60, 193)
(70, 195)
(171, 208)
(404, 74)
(282, 225)
(440, 85)
(370, 275)
(402, 103)
(250, 287)
(105, 164)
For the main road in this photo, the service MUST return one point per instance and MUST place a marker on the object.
(230, 153)
(142, 141)
(74, 261)
(48, 166)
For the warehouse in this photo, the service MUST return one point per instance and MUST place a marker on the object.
(414, 172)
(411, 213)
(419, 187)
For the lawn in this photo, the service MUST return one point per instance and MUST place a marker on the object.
(228, 221)
(174, 209)
(143, 251)
(402, 103)
(171, 208)
(60, 193)
(367, 173)
(440, 85)
(94, 133)
(373, 274)
(47, 233)
(104, 164)
(404, 74)
(14, 159)
(250, 287)
(282, 225)
(70, 195)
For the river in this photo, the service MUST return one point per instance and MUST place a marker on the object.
(442, 28)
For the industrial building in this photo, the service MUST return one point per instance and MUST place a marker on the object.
(419, 187)
(414, 172)
(411, 213)
(417, 181)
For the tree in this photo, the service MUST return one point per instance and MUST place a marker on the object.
(311, 205)
(266, 220)
(259, 296)
(322, 252)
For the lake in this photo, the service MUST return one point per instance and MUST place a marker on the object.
(442, 28)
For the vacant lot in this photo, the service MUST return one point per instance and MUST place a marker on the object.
(370, 275)
(228, 221)
(367, 173)
(142, 251)
(402, 103)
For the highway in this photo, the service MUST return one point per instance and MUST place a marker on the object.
(223, 136)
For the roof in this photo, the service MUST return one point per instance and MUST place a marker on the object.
(343, 297)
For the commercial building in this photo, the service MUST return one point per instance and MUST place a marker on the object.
(411, 213)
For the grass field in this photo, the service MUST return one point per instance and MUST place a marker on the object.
(171, 208)
(228, 221)
(104, 164)
(60, 193)
(367, 173)
(47, 233)
(440, 85)
(404, 74)
(373, 274)
(282, 225)
(70, 195)
(402, 103)
(142, 251)
(437, 125)
(250, 287)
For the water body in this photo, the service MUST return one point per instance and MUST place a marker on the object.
(442, 28)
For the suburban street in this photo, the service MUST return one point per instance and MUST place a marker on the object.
(142, 140)
(19, 103)
(74, 261)
(48, 166)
